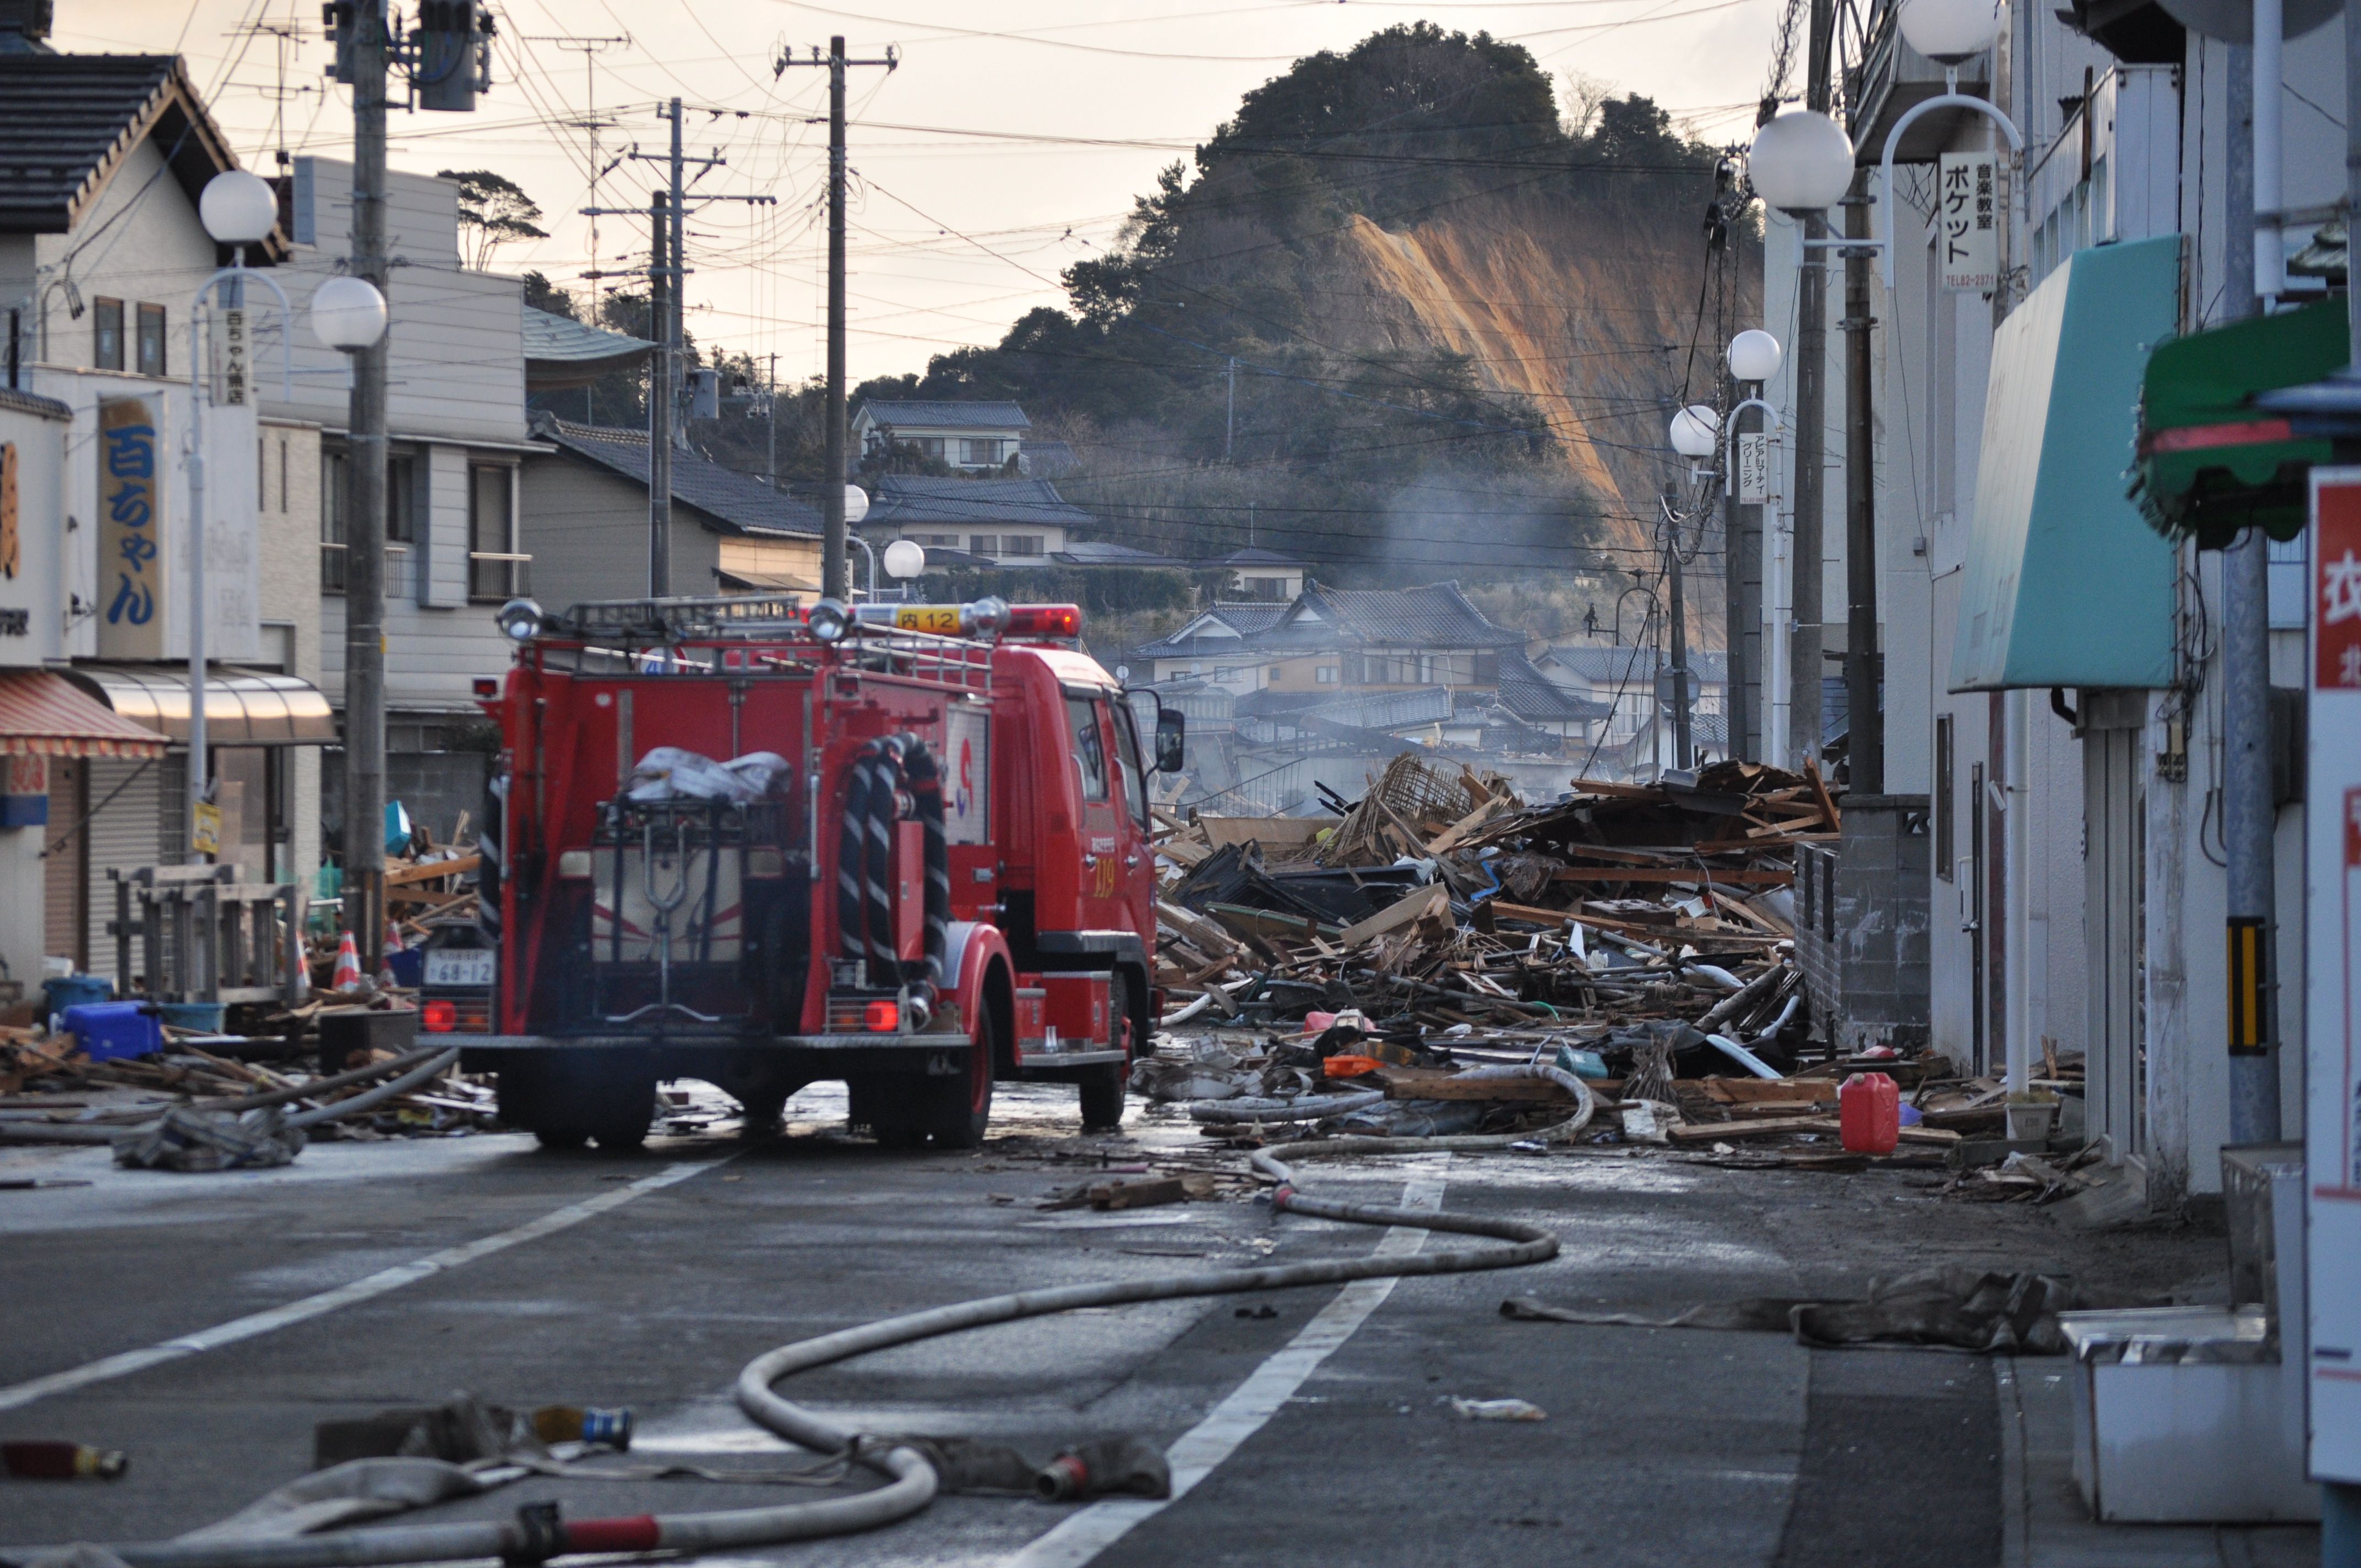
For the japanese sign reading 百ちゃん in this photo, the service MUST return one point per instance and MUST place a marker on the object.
(131, 557)
(1967, 220)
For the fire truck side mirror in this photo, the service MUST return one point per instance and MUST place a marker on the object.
(1172, 741)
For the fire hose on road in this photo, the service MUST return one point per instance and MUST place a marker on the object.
(911, 1480)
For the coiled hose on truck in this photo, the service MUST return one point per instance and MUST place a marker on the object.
(881, 772)
(910, 1478)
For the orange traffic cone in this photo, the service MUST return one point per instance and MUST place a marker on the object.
(348, 965)
(393, 943)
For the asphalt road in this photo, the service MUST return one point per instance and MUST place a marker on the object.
(648, 1282)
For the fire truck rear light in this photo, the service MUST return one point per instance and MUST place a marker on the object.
(488, 685)
(1045, 621)
(574, 863)
(882, 1017)
(438, 1017)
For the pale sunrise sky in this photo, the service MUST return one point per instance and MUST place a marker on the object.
(1010, 142)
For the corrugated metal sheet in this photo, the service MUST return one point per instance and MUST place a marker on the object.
(129, 831)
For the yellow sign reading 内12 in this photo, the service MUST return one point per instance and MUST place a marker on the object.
(943, 620)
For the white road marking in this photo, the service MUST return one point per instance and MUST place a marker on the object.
(17, 1396)
(1200, 1450)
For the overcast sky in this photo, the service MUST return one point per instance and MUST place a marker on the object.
(986, 164)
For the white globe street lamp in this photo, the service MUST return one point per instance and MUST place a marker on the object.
(347, 313)
(856, 504)
(1801, 161)
(238, 207)
(906, 558)
(1754, 356)
(1949, 31)
(1696, 430)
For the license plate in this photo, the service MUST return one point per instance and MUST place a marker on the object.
(462, 966)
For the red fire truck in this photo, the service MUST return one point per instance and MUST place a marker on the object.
(902, 845)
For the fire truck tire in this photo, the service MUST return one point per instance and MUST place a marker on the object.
(561, 1138)
(1103, 1089)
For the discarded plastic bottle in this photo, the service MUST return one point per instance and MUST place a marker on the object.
(1869, 1114)
(61, 1462)
(573, 1423)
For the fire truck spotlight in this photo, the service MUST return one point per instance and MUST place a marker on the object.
(883, 1017)
(439, 1017)
(828, 620)
(519, 620)
(987, 616)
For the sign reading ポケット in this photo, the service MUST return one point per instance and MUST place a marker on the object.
(131, 558)
(1967, 220)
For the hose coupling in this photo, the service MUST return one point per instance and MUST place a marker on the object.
(537, 1536)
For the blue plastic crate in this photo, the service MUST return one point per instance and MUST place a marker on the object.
(109, 1030)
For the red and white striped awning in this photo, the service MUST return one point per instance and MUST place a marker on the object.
(45, 715)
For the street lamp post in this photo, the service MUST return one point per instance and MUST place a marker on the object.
(1801, 163)
(1756, 672)
(1696, 435)
(348, 314)
(237, 209)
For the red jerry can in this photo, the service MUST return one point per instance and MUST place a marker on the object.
(1869, 1110)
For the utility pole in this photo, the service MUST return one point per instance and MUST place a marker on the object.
(667, 286)
(2249, 811)
(1230, 414)
(1684, 754)
(771, 398)
(1864, 716)
(676, 332)
(836, 575)
(1803, 728)
(664, 279)
(590, 48)
(364, 886)
(1743, 572)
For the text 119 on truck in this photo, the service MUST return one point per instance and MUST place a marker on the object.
(924, 867)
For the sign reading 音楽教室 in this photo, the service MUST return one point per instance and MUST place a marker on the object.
(1967, 220)
(131, 556)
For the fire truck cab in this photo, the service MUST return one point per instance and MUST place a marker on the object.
(902, 845)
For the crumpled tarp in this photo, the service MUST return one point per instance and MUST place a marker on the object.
(1951, 1308)
(672, 773)
(211, 1140)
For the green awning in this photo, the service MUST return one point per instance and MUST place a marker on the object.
(2209, 462)
(2065, 585)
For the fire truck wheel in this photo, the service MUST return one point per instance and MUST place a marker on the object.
(562, 1137)
(1102, 1097)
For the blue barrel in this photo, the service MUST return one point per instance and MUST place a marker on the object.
(64, 990)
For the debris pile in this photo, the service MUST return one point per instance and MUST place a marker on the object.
(1410, 965)
(51, 1094)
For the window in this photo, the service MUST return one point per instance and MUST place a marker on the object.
(151, 341)
(495, 571)
(1945, 808)
(106, 324)
(972, 451)
(1020, 544)
(400, 500)
(333, 470)
(1325, 674)
(929, 446)
(1135, 774)
(983, 544)
(1090, 746)
(937, 541)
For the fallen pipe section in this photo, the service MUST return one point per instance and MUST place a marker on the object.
(540, 1533)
